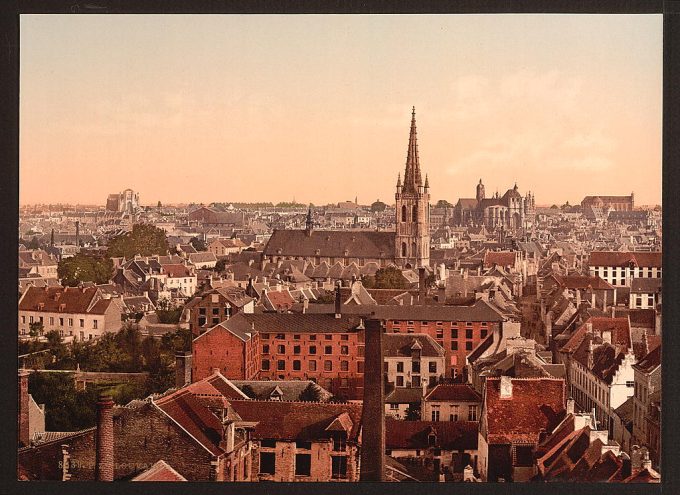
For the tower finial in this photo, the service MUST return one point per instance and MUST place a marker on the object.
(412, 177)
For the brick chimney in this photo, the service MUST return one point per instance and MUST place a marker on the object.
(183, 361)
(506, 387)
(23, 422)
(570, 405)
(104, 448)
(422, 290)
(373, 418)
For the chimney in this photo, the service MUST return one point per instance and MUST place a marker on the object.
(183, 361)
(570, 405)
(578, 298)
(77, 234)
(607, 336)
(646, 461)
(338, 303)
(613, 311)
(305, 306)
(373, 421)
(23, 421)
(626, 469)
(422, 290)
(104, 441)
(506, 387)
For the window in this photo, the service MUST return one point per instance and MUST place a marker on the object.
(61, 322)
(312, 337)
(280, 364)
(328, 365)
(296, 349)
(400, 367)
(339, 466)
(360, 351)
(454, 333)
(453, 416)
(360, 366)
(344, 349)
(344, 365)
(51, 320)
(264, 336)
(468, 333)
(201, 311)
(265, 349)
(328, 336)
(216, 311)
(483, 332)
(70, 322)
(267, 462)
(403, 219)
(454, 345)
(30, 319)
(265, 364)
(23, 319)
(312, 365)
(216, 320)
(433, 366)
(339, 441)
(400, 381)
(302, 445)
(296, 365)
(415, 366)
(394, 407)
(435, 413)
(472, 413)
(468, 346)
(344, 337)
(414, 215)
(416, 381)
(328, 349)
(95, 323)
(303, 464)
(440, 333)
(630, 383)
(312, 349)
(281, 349)
(296, 336)
(344, 383)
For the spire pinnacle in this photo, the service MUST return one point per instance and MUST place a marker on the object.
(412, 177)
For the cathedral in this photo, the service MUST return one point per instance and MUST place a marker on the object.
(510, 211)
(406, 247)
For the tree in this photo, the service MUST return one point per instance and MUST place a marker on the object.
(198, 244)
(143, 239)
(220, 265)
(83, 268)
(412, 413)
(159, 205)
(378, 206)
(442, 203)
(56, 345)
(311, 393)
(66, 409)
(385, 278)
(34, 243)
(35, 328)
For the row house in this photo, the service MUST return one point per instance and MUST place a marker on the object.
(180, 278)
(224, 247)
(214, 306)
(451, 402)
(39, 262)
(620, 268)
(516, 413)
(599, 358)
(646, 403)
(645, 293)
(76, 313)
(412, 360)
(303, 441)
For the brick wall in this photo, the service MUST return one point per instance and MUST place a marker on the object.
(23, 422)
(221, 349)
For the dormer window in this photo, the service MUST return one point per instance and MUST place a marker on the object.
(339, 439)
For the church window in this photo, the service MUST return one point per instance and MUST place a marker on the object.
(403, 247)
(415, 213)
(403, 214)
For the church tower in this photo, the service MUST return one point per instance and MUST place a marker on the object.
(412, 238)
(480, 191)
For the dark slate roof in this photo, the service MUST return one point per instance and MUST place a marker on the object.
(292, 323)
(645, 285)
(399, 345)
(290, 389)
(650, 362)
(450, 435)
(355, 244)
(404, 395)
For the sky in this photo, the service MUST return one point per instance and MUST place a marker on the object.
(317, 108)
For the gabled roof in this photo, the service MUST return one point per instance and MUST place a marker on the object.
(306, 421)
(335, 244)
(73, 299)
(449, 435)
(500, 258)
(401, 345)
(536, 404)
(630, 258)
(453, 392)
(159, 471)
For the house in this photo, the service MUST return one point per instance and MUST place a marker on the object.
(223, 247)
(516, 412)
(403, 402)
(619, 268)
(412, 360)
(645, 293)
(203, 260)
(451, 402)
(215, 306)
(285, 390)
(647, 402)
(76, 313)
(442, 448)
(303, 441)
(180, 278)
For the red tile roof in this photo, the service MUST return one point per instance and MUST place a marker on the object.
(619, 328)
(73, 299)
(160, 471)
(280, 299)
(216, 385)
(583, 282)
(177, 271)
(455, 392)
(616, 258)
(500, 258)
(297, 420)
(537, 404)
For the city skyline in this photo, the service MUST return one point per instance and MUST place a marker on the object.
(152, 107)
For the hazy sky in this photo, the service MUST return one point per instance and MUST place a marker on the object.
(267, 108)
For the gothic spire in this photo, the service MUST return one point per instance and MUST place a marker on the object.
(412, 177)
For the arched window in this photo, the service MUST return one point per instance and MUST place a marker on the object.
(415, 213)
(403, 213)
(403, 248)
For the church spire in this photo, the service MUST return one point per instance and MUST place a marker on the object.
(412, 177)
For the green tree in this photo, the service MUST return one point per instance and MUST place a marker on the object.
(34, 243)
(35, 328)
(385, 278)
(83, 268)
(311, 393)
(378, 206)
(143, 239)
(56, 345)
(442, 203)
(412, 413)
(199, 244)
(220, 265)
(66, 409)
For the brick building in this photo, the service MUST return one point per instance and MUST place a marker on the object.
(616, 203)
(619, 268)
(214, 306)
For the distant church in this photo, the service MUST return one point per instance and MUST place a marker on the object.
(407, 247)
(510, 211)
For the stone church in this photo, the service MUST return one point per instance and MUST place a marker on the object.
(407, 247)
(510, 211)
